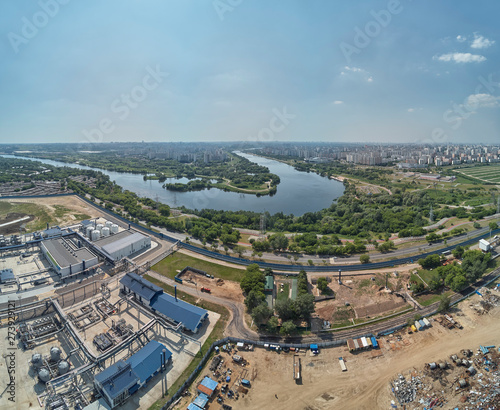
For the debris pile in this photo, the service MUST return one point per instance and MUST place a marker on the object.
(470, 381)
(405, 390)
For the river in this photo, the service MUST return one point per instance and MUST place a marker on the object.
(298, 192)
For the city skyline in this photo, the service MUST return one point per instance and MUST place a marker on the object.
(375, 71)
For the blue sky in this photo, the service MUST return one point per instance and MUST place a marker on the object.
(260, 70)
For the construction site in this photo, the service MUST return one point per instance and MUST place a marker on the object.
(435, 362)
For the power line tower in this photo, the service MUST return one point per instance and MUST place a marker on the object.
(431, 215)
(263, 223)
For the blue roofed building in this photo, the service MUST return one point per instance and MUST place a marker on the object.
(143, 290)
(207, 386)
(201, 401)
(191, 317)
(117, 383)
(193, 406)
(148, 361)
(124, 378)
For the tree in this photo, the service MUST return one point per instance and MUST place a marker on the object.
(285, 309)
(253, 279)
(458, 252)
(239, 250)
(261, 314)
(493, 226)
(287, 328)
(459, 282)
(254, 298)
(278, 241)
(434, 282)
(364, 258)
(430, 261)
(322, 284)
(444, 303)
(304, 305)
(272, 324)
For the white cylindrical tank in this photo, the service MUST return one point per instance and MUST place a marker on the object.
(36, 360)
(105, 232)
(44, 375)
(55, 354)
(99, 227)
(88, 231)
(96, 235)
(108, 224)
(114, 228)
(63, 367)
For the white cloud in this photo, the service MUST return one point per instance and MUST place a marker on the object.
(482, 100)
(481, 42)
(357, 71)
(411, 109)
(338, 102)
(461, 58)
(461, 39)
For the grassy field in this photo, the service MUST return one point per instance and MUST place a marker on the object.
(489, 173)
(178, 261)
(430, 298)
(217, 333)
(283, 295)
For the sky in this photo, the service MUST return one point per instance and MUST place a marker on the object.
(250, 70)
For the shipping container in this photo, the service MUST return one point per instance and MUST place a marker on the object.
(426, 321)
(374, 342)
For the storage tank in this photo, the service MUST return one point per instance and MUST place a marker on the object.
(114, 228)
(55, 354)
(44, 375)
(96, 235)
(63, 367)
(99, 227)
(432, 365)
(88, 231)
(105, 232)
(36, 360)
(109, 224)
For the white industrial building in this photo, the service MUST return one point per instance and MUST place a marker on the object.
(123, 244)
(66, 257)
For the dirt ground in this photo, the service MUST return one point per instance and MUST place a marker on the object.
(366, 296)
(73, 203)
(218, 287)
(14, 227)
(365, 385)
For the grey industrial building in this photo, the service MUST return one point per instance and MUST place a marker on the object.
(123, 244)
(66, 258)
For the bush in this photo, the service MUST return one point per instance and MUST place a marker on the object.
(364, 258)
(322, 284)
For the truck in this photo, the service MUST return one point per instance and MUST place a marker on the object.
(245, 382)
(206, 290)
(342, 364)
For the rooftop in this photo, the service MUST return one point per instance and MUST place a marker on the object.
(191, 316)
(148, 360)
(7, 275)
(201, 400)
(119, 240)
(117, 378)
(65, 254)
(141, 286)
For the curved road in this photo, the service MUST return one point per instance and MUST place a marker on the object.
(237, 326)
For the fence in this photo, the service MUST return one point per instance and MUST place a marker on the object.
(277, 266)
(229, 339)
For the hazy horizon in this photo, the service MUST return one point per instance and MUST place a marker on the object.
(234, 71)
